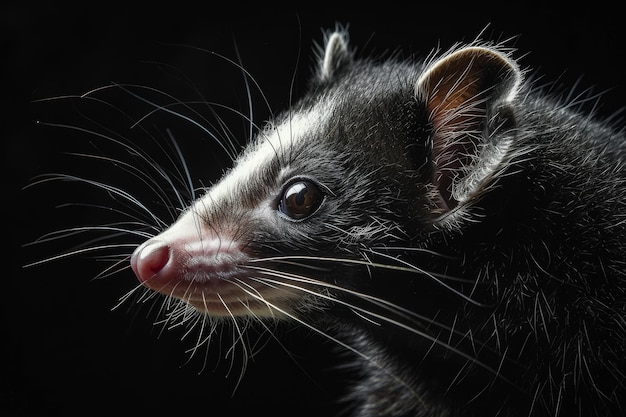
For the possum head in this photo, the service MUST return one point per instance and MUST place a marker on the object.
(375, 155)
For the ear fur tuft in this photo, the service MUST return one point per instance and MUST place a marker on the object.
(461, 91)
(335, 53)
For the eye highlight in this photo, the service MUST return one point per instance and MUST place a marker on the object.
(300, 199)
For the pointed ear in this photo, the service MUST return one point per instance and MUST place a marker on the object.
(462, 91)
(334, 55)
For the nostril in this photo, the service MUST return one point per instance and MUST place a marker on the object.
(149, 259)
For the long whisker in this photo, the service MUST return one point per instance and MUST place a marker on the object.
(404, 267)
(346, 346)
(366, 312)
(378, 301)
(133, 292)
(148, 180)
(65, 233)
(121, 265)
(77, 252)
(183, 163)
(201, 324)
(125, 87)
(235, 340)
(411, 249)
(138, 172)
(107, 187)
(431, 276)
(242, 69)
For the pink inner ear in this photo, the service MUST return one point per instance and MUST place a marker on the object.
(457, 110)
(457, 90)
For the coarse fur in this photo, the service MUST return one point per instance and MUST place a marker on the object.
(458, 232)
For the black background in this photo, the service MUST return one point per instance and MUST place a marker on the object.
(64, 351)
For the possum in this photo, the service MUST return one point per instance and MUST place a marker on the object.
(458, 232)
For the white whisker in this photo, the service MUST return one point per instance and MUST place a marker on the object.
(78, 252)
(346, 346)
(431, 276)
(366, 312)
(237, 337)
(404, 267)
(228, 150)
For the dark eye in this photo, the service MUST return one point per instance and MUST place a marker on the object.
(300, 200)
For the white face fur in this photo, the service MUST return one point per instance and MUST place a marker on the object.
(184, 260)
(274, 142)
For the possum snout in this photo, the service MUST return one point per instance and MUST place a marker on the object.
(191, 263)
(205, 269)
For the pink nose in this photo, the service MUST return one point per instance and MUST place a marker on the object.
(149, 261)
(203, 267)
(190, 262)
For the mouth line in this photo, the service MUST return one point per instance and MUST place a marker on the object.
(220, 292)
(232, 301)
(236, 306)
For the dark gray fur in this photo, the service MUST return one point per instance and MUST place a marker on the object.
(516, 289)
(540, 247)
